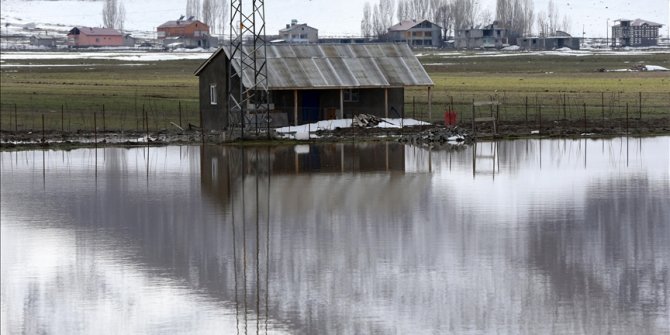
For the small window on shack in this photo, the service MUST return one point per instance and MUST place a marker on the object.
(351, 95)
(212, 94)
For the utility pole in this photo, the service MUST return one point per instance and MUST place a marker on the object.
(248, 79)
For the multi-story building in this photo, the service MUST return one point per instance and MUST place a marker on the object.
(635, 33)
(491, 36)
(189, 33)
(416, 33)
(82, 37)
(299, 33)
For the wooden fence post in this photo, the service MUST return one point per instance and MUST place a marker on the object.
(95, 127)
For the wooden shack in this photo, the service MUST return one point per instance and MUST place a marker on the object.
(313, 82)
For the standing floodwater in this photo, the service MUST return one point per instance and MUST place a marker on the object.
(514, 237)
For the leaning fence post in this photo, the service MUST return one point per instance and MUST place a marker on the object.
(526, 112)
(640, 108)
(627, 119)
(584, 118)
(180, 114)
(540, 112)
(104, 126)
(473, 116)
(602, 105)
(95, 127)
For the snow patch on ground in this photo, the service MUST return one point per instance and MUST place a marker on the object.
(307, 131)
(127, 56)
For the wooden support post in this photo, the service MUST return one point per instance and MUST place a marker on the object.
(95, 127)
(341, 105)
(430, 104)
(43, 135)
(386, 103)
(473, 116)
(526, 111)
(104, 125)
(62, 118)
(640, 108)
(414, 108)
(180, 114)
(584, 118)
(295, 107)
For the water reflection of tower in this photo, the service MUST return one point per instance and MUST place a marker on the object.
(249, 216)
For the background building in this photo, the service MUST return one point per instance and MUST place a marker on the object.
(189, 33)
(416, 33)
(635, 33)
(299, 33)
(491, 36)
(79, 37)
(559, 40)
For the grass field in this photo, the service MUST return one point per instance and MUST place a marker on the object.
(69, 92)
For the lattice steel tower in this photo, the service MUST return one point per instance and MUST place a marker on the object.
(248, 97)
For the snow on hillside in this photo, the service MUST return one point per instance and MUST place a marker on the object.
(58, 17)
(142, 17)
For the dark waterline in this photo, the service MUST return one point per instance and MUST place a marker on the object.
(517, 237)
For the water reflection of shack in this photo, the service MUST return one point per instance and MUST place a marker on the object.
(220, 165)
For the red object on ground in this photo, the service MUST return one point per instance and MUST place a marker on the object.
(449, 118)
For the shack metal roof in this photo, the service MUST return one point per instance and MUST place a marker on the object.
(329, 66)
(94, 31)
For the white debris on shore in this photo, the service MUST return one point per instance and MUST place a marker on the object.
(308, 131)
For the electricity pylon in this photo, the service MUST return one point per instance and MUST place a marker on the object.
(248, 96)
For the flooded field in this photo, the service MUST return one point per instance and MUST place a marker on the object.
(514, 237)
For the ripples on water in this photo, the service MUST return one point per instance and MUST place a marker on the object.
(529, 236)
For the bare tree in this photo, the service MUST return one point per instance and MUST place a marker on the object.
(387, 10)
(443, 16)
(121, 16)
(464, 13)
(377, 22)
(113, 14)
(401, 11)
(420, 9)
(516, 16)
(529, 15)
(366, 22)
(223, 17)
(542, 24)
(552, 17)
(192, 8)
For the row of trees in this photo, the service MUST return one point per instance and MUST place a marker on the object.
(518, 16)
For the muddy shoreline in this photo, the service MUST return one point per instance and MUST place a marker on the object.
(484, 131)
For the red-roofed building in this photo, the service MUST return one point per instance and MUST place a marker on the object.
(81, 37)
(189, 33)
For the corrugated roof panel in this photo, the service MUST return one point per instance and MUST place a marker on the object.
(321, 66)
(359, 52)
(313, 74)
(365, 71)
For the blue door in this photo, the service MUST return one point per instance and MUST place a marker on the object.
(310, 106)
